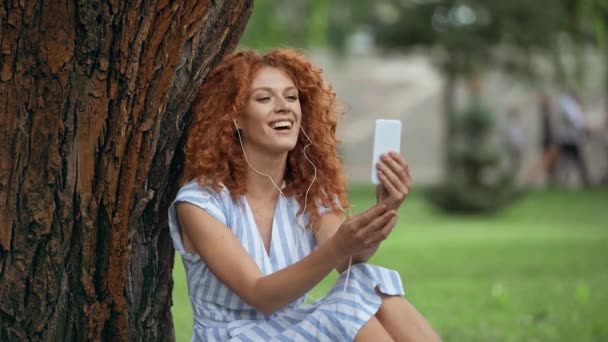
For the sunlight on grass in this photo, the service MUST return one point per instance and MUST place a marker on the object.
(535, 272)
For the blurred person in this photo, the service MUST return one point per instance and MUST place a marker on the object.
(515, 139)
(260, 219)
(572, 133)
(548, 142)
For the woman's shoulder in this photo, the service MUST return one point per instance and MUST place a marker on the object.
(206, 192)
(215, 200)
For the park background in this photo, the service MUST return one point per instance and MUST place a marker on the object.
(95, 100)
(533, 266)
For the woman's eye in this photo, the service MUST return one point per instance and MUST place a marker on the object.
(264, 99)
(292, 98)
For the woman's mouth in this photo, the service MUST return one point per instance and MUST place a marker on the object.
(282, 126)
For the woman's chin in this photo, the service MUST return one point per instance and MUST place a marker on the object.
(287, 147)
(283, 146)
(287, 142)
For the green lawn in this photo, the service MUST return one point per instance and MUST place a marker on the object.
(535, 272)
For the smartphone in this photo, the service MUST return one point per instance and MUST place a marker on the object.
(387, 137)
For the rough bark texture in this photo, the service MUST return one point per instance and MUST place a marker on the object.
(94, 99)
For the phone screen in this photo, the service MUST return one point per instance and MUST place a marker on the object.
(387, 137)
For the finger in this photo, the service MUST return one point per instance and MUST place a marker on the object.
(383, 233)
(377, 223)
(394, 162)
(397, 193)
(402, 185)
(365, 217)
(398, 178)
(386, 183)
(406, 167)
(408, 182)
(390, 174)
(398, 158)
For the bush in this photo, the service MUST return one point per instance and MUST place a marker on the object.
(477, 177)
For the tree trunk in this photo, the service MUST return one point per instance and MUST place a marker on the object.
(448, 104)
(606, 79)
(94, 99)
(474, 86)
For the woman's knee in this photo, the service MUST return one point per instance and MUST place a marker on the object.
(373, 330)
(403, 322)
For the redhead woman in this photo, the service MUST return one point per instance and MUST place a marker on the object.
(260, 219)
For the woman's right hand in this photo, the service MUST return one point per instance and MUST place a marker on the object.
(364, 230)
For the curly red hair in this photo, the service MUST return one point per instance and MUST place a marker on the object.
(214, 156)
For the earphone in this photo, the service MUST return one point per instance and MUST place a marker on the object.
(281, 192)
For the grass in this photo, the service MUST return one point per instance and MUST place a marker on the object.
(537, 271)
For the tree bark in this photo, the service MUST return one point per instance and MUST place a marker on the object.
(94, 99)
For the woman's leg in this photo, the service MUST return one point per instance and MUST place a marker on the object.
(403, 322)
(373, 331)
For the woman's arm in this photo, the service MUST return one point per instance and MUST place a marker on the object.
(395, 181)
(328, 226)
(230, 262)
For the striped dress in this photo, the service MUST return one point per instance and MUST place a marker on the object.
(221, 315)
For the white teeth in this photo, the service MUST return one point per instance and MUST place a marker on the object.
(281, 124)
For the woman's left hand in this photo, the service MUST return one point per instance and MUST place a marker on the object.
(395, 180)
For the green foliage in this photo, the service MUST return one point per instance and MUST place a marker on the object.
(535, 272)
(477, 179)
(299, 24)
(267, 28)
(590, 18)
(467, 35)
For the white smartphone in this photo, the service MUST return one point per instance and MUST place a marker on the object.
(387, 137)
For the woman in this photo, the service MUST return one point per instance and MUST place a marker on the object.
(572, 134)
(261, 221)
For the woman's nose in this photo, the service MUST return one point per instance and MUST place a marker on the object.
(281, 106)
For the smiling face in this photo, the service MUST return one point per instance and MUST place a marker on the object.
(270, 121)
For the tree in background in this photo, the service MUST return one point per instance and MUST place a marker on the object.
(464, 38)
(587, 25)
(94, 99)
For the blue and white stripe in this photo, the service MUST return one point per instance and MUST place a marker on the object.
(220, 315)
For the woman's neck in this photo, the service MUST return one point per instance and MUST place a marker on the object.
(273, 165)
